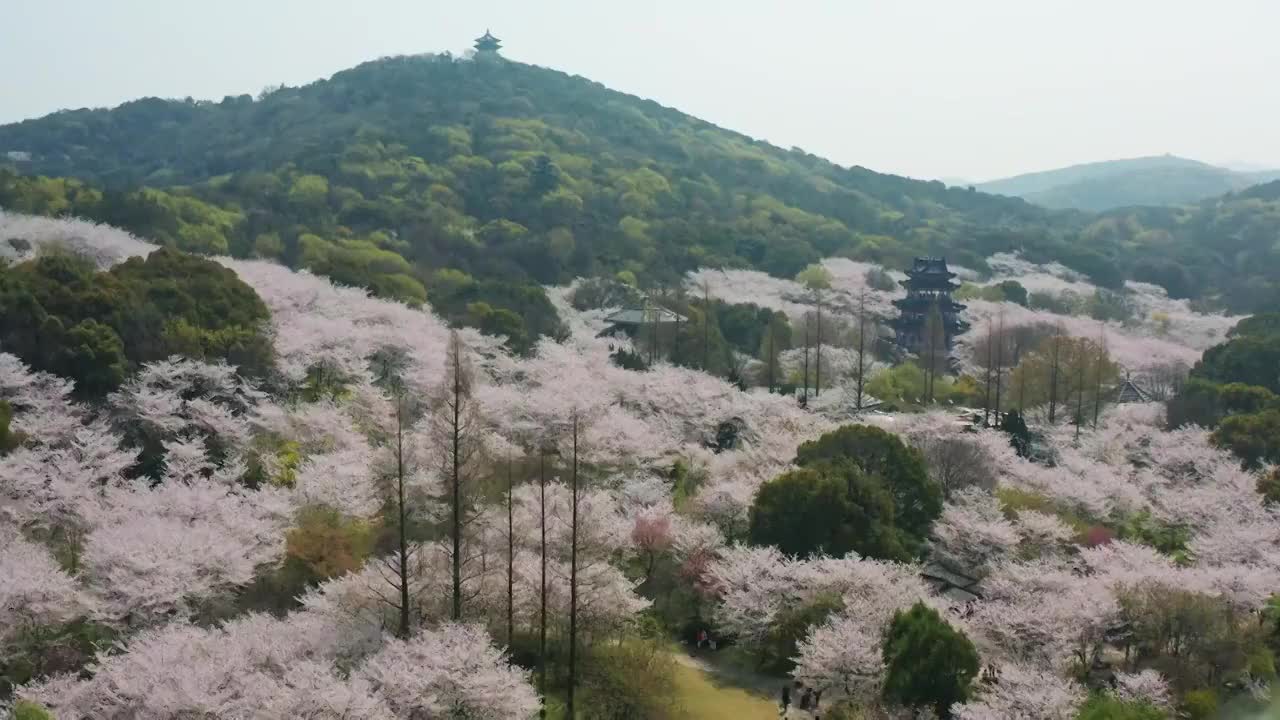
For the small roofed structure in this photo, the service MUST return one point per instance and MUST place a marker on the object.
(956, 587)
(630, 320)
(1129, 392)
(487, 44)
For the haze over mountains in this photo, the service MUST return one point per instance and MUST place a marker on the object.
(1155, 180)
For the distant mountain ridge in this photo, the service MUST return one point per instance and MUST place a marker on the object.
(1156, 180)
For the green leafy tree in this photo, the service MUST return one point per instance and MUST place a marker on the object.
(830, 508)
(882, 456)
(1014, 292)
(1268, 485)
(632, 679)
(815, 277)
(9, 438)
(1254, 437)
(59, 314)
(27, 710)
(1260, 325)
(928, 663)
(1249, 359)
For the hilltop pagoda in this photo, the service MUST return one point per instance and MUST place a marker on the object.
(929, 283)
(487, 45)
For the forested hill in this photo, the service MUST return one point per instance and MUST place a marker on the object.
(1158, 180)
(472, 183)
(435, 148)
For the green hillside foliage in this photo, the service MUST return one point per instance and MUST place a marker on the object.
(508, 175)
(60, 315)
(1235, 390)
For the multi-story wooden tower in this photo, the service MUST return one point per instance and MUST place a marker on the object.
(929, 286)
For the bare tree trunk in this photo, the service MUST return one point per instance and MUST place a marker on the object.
(706, 324)
(999, 367)
(806, 361)
(511, 558)
(817, 376)
(1054, 371)
(1097, 381)
(456, 530)
(542, 624)
(1080, 395)
(403, 554)
(653, 351)
(1022, 391)
(862, 346)
(986, 401)
(573, 574)
(675, 340)
(772, 355)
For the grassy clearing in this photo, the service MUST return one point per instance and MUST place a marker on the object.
(705, 696)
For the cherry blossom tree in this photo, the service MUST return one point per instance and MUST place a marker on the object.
(972, 533)
(451, 672)
(181, 397)
(1145, 686)
(286, 668)
(36, 592)
(1021, 692)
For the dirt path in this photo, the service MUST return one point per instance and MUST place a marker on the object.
(716, 667)
(705, 693)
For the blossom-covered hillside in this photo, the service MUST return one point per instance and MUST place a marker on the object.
(402, 520)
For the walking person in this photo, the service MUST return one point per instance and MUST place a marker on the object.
(786, 699)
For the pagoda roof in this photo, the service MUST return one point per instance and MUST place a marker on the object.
(487, 38)
(930, 266)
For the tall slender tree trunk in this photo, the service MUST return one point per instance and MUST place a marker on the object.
(1080, 396)
(542, 620)
(806, 362)
(772, 355)
(1054, 371)
(511, 558)
(1097, 380)
(653, 350)
(986, 401)
(675, 341)
(999, 368)
(1022, 392)
(817, 372)
(706, 325)
(862, 346)
(403, 554)
(573, 574)
(456, 531)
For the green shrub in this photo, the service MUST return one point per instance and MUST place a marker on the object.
(928, 663)
(1199, 704)
(631, 679)
(27, 710)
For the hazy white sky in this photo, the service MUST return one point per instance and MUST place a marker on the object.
(946, 88)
